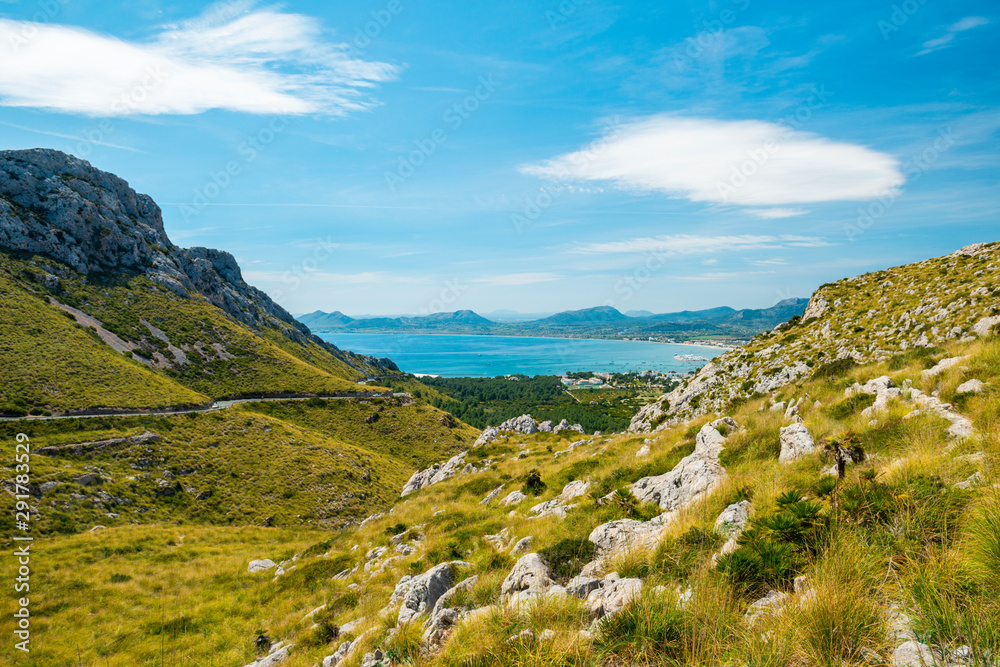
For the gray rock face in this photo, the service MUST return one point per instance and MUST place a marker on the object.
(423, 591)
(278, 654)
(56, 205)
(261, 565)
(523, 424)
(513, 498)
(796, 442)
(733, 519)
(913, 654)
(488, 435)
(573, 490)
(373, 659)
(696, 474)
(334, 660)
(616, 536)
(523, 546)
(970, 387)
(614, 596)
(582, 585)
(564, 425)
(433, 475)
(530, 575)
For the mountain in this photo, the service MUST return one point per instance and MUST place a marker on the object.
(461, 320)
(847, 515)
(600, 322)
(101, 310)
(319, 319)
(869, 318)
(586, 316)
(707, 315)
(639, 313)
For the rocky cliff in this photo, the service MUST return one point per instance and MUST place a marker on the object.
(59, 206)
(866, 318)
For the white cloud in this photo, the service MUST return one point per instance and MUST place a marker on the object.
(749, 163)
(511, 279)
(234, 58)
(687, 244)
(968, 23)
(775, 213)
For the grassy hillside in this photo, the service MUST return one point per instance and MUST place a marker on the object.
(49, 361)
(904, 545)
(911, 309)
(315, 463)
(154, 348)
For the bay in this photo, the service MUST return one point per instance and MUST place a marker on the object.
(489, 356)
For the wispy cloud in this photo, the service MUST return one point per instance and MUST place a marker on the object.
(775, 213)
(749, 163)
(945, 40)
(511, 279)
(687, 244)
(233, 57)
(70, 136)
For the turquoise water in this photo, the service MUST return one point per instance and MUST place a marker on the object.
(486, 356)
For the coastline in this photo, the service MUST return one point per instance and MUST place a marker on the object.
(321, 334)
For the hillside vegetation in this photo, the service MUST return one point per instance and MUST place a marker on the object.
(98, 309)
(898, 554)
(910, 309)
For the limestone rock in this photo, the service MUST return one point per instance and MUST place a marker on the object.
(581, 586)
(514, 498)
(341, 653)
(522, 547)
(614, 596)
(530, 574)
(796, 442)
(261, 565)
(492, 495)
(695, 475)
(768, 604)
(617, 536)
(523, 424)
(970, 387)
(573, 490)
(913, 654)
(733, 519)
(488, 435)
(424, 591)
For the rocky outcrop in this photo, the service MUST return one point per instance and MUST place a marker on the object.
(422, 592)
(695, 475)
(436, 473)
(613, 596)
(523, 424)
(862, 319)
(59, 206)
(796, 442)
(733, 519)
(261, 565)
(528, 578)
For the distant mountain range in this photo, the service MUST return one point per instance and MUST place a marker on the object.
(598, 322)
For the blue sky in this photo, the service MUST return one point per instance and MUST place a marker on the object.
(399, 157)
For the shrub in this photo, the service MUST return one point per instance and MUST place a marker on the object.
(647, 631)
(567, 557)
(533, 484)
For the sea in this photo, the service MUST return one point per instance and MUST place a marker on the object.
(490, 356)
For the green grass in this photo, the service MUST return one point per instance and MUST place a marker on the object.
(53, 363)
(894, 532)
